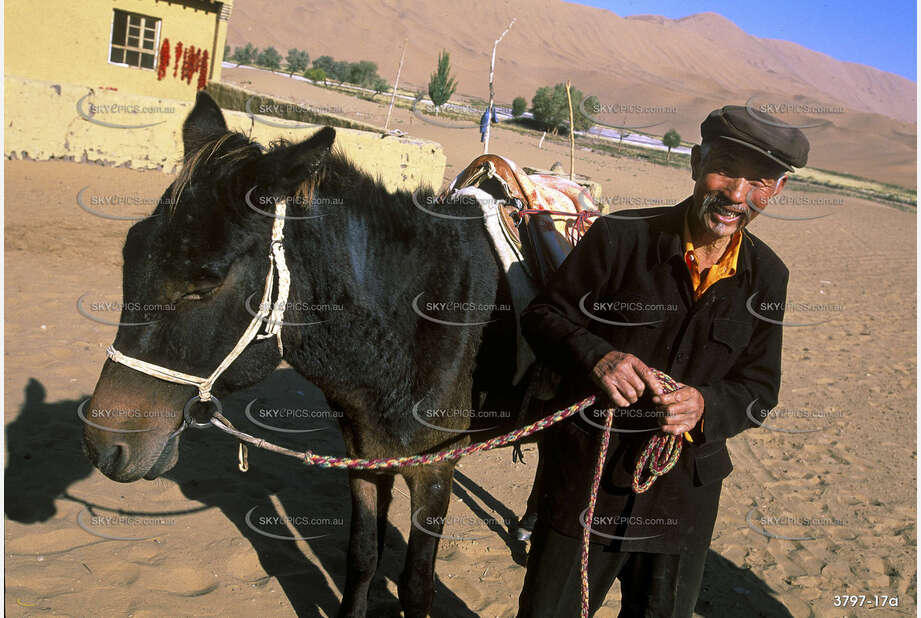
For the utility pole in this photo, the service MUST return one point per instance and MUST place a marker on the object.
(492, 93)
(396, 83)
(572, 132)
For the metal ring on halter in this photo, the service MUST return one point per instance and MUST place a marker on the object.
(182, 427)
(189, 421)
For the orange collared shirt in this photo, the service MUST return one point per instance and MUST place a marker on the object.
(724, 267)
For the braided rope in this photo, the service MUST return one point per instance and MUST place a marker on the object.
(325, 461)
(661, 452)
(274, 323)
(656, 443)
(590, 514)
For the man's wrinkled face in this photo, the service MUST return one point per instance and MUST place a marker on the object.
(730, 179)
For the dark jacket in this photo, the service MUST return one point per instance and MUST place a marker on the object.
(631, 272)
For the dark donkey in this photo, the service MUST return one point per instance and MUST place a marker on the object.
(373, 253)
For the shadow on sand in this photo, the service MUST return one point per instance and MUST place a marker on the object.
(46, 458)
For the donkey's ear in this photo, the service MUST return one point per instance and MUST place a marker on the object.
(205, 122)
(290, 166)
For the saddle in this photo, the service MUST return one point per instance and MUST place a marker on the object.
(533, 223)
(542, 217)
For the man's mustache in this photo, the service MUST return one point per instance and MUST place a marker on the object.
(717, 200)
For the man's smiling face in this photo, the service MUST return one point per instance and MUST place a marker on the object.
(730, 178)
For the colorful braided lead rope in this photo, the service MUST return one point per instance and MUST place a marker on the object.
(590, 514)
(325, 461)
(661, 452)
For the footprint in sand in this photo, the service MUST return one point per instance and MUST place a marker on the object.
(181, 581)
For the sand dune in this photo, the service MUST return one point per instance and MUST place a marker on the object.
(689, 66)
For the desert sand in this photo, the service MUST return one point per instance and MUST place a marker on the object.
(843, 484)
(662, 72)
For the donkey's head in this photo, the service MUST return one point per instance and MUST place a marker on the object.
(193, 273)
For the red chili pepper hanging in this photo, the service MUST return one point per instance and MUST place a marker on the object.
(164, 60)
(178, 57)
(194, 63)
(188, 64)
(203, 71)
(186, 56)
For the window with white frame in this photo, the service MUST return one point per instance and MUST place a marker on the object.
(134, 40)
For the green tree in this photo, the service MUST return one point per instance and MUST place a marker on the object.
(296, 61)
(441, 83)
(672, 140)
(269, 58)
(362, 73)
(316, 74)
(379, 85)
(326, 63)
(519, 106)
(227, 51)
(583, 123)
(341, 70)
(551, 109)
(245, 55)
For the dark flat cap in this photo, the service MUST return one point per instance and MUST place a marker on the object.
(770, 136)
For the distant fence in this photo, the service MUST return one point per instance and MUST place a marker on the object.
(241, 100)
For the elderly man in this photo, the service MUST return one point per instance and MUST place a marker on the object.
(671, 289)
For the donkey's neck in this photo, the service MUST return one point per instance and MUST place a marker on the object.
(355, 273)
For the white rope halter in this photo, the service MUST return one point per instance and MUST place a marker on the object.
(275, 313)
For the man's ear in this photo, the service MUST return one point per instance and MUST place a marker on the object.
(695, 163)
(204, 123)
(781, 182)
(283, 170)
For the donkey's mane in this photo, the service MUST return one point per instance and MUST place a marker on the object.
(236, 147)
(390, 212)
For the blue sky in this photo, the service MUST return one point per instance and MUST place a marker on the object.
(880, 34)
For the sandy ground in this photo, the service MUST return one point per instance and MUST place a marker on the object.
(844, 487)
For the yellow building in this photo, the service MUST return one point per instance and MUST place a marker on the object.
(89, 81)
(121, 45)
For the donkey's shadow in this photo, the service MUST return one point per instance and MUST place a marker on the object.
(46, 458)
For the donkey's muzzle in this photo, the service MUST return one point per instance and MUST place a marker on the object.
(110, 459)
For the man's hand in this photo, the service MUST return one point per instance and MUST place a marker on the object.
(624, 378)
(683, 409)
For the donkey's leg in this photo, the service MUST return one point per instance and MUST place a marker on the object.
(430, 492)
(384, 497)
(362, 556)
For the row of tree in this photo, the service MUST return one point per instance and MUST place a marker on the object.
(549, 105)
(362, 73)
